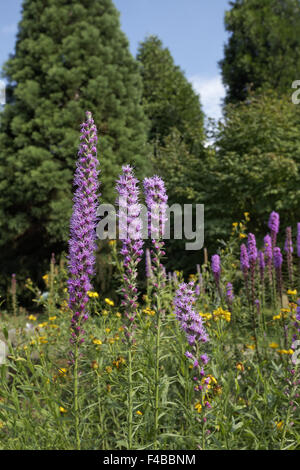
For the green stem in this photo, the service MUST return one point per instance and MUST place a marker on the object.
(157, 354)
(76, 410)
(129, 445)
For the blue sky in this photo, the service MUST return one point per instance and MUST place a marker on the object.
(193, 30)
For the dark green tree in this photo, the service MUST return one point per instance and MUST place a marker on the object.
(263, 49)
(70, 56)
(169, 99)
(256, 166)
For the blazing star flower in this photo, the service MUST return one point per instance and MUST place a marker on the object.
(262, 264)
(273, 225)
(298, 239)
(216, 270)
(252, 250)
(229, 293)
(82, 244)
(156, 201)
(244, 259)
(288, 248)
(130, 224)
(191, 323)
(277, 265)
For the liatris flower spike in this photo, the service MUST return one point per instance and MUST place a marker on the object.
(130, 224)
(274, 226)
(268, 255)
(277, 265)
(229, 294)
(252, 256)
(191, 323)
(156, 201)
(288, 248)
(82, 244)
(216, 270)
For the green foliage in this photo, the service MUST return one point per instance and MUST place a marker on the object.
(263, 46)
(69, 57)
(256, 164)
(169, 99)
(250, 389)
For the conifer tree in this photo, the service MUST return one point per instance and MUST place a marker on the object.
(70, 56)
(263, 49)
(169, 99)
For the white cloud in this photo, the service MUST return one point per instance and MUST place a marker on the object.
(211, 91)
(9, 29)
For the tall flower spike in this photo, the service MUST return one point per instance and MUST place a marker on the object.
(277, 265)
(82, 243)
(216, 270)
(288, 248)
(274, 226)
(268, 256)
(130, 225)
(245, 266)
(156, 201)
(252, 255)
(191, 323)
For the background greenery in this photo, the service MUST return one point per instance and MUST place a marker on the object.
(148, 115)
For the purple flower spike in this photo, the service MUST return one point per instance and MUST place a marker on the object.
(298, 239)
(277, 258)
(245, 266)
(82, 244)
(216, 268)
(252, 250)
(277, 265)
(130, 224)
(252, 255)
(288, 248)
(156, 201)
(191, 323)
(229, 294)
(274, 226)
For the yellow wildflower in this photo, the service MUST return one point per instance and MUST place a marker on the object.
(32, 317)
(292, 292)
(62, 409)
(52, 318)
(273, 345)
(97, 341)
(279, 425)
(92, 294)
(109, 302)
(198, 407)
(139, 413)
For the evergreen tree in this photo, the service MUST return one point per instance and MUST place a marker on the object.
(70, 56)
(169, 99)
(263, 50)
(256, 166)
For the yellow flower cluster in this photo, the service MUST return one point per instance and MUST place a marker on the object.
(285, 351)
(273, 345)
(292, 292)
(119, 362)
(286, 312)
(109, 302)
(148, 311)
(93, 295)
(220, 313)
